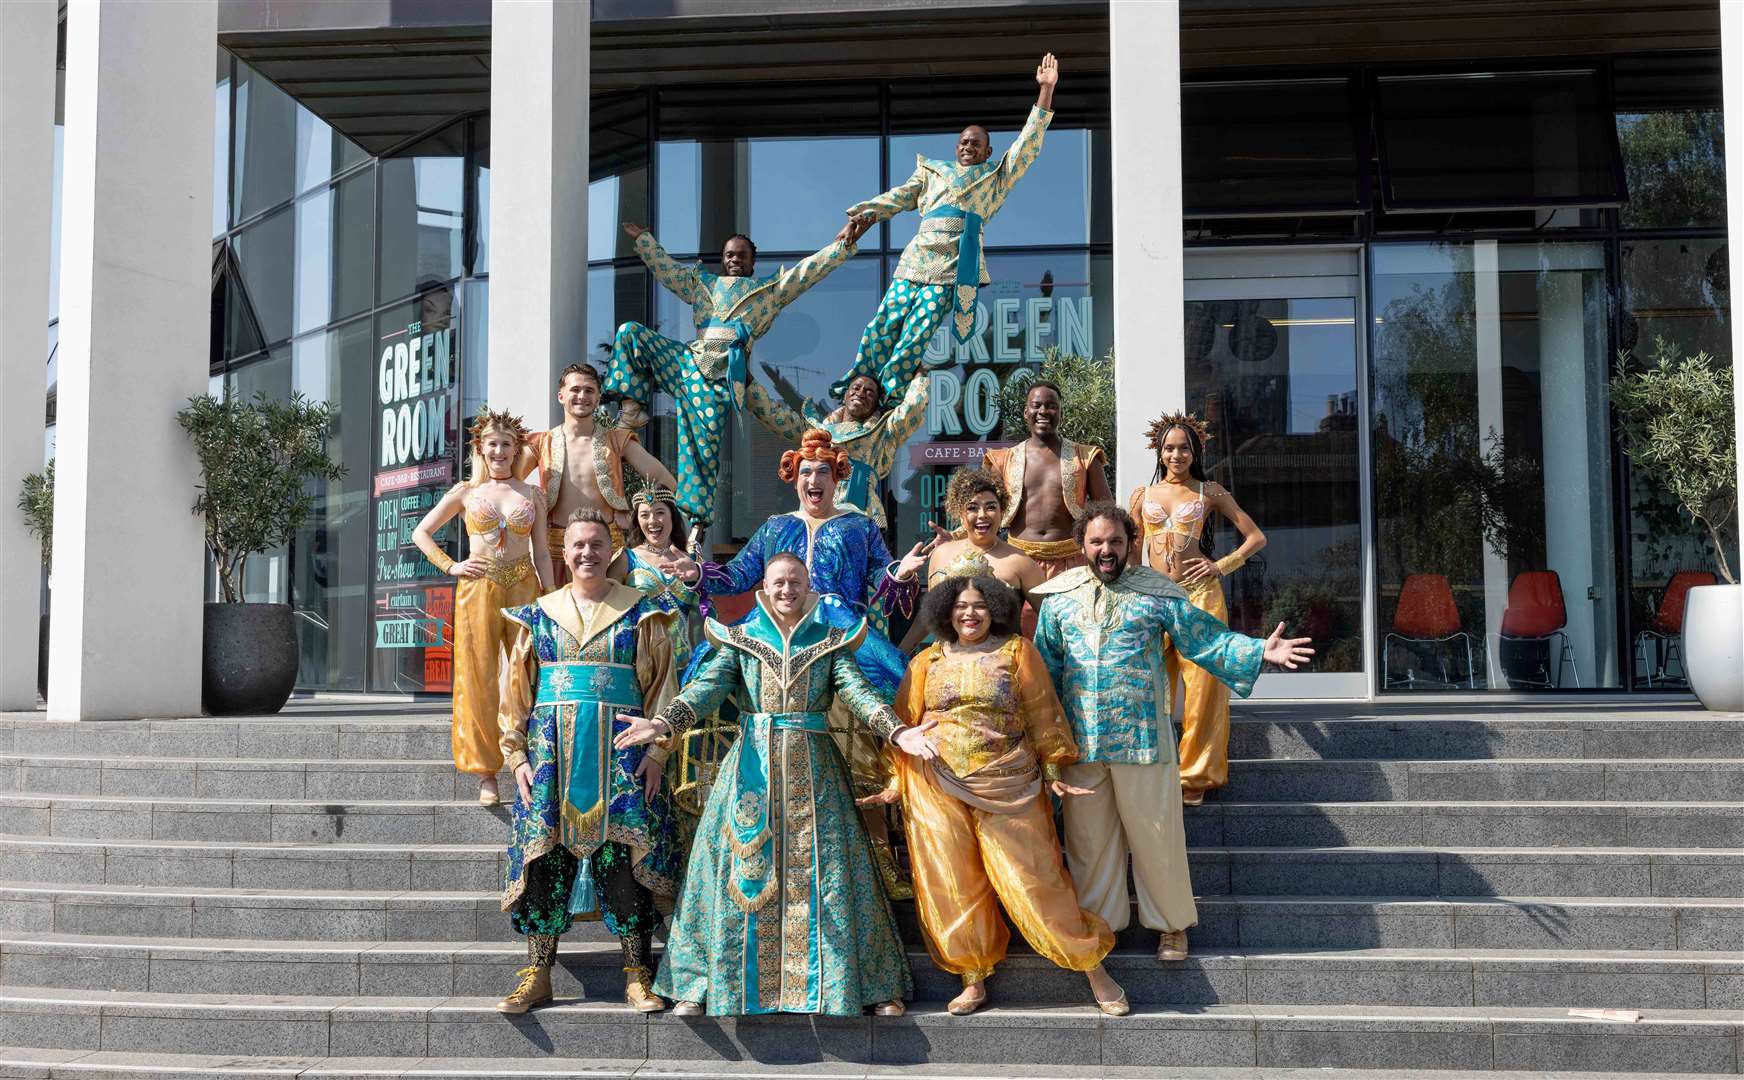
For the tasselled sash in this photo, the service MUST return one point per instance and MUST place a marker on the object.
(738, 356)
(598, 692)
(968, 282)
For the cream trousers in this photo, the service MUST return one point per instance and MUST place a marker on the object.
(1132, 809)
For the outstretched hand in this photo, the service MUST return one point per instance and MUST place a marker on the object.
(633, 230)
(1287, 652)
(642, 730)
(917, 556)
(913, 741)
(1063, 789)
(683, 568)
(1048, 72)
(853, 230)
(879, 798)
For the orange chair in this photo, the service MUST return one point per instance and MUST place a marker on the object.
(1426, 615)
(1536, 613)
(1667, 628)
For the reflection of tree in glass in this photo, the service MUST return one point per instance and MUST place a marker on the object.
(1675, 165)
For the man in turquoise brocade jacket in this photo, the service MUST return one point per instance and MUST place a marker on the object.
(941, 270)
(593, 834)
(1100, 633)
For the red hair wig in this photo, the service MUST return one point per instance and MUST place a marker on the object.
(814, 445)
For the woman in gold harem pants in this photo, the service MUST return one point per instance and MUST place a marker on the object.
(980, 826)
(503, 569)
(1173, 512)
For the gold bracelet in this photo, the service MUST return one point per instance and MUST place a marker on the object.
(441, 561)
(1050, 772)
(1229, 564)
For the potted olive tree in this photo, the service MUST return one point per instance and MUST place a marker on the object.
(1676, 419)
(37, 502)
(258, 459)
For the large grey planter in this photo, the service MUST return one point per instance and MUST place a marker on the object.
(250, 658)
(1713, 645)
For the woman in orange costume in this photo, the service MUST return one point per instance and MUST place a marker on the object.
(503, 568)
(980, 826)
(1174, 513)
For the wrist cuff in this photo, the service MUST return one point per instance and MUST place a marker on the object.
(441, 561)
(1229, 564)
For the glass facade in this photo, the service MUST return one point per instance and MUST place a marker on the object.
(743, 162)
(342, 278)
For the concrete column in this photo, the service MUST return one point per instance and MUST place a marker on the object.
(1150, 374)
(136, 293)
(1575, 476)
(27, 102)
(539, 133)
(1732, 76)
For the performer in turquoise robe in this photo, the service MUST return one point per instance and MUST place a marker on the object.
(782, 910)
(706, 376)
(942, 270)
(592, 830)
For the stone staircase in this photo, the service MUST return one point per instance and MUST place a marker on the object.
(1383, 888)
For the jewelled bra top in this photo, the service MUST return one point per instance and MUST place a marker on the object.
(484, 519)
(1170, 535)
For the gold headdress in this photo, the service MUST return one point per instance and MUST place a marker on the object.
(653, 493)
(1159, 428)
(500, 420)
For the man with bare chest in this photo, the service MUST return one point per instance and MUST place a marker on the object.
(582, 463)
(1050, 480)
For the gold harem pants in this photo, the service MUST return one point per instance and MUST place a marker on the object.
(966, 862)
(481, 635)
(1204, 703)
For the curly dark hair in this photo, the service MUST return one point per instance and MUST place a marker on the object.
(1004, 609)
(1096, 511)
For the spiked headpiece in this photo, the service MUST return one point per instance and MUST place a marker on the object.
(1159, 428)
(501, 420)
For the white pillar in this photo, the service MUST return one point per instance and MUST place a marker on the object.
(27, 101)
(1575, 475)
(1732, 77)
(539, 133)
(1150, 374)
(1487, 298)
(136, 294)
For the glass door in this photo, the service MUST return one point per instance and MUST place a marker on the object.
(1273, 362)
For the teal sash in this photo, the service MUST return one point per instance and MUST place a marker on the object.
(752, 841)
(859, 483)
(738, 356)
(588, 698)
(968, 281)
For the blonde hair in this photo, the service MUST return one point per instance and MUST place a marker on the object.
(509, 424)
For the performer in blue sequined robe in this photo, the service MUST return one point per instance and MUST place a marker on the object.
(591, 844)
(782, 910)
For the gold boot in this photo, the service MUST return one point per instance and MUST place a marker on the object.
(896, 886)
(535, 985)
(637, 977)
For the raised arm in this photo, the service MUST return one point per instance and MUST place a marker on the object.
(647, 465)
(796, 279)
(684, 280)
(1022, 153)
(904, 196)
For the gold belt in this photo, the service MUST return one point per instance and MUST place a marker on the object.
(1046, 550)
(509, 574)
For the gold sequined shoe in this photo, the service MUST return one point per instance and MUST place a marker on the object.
(896, 887)
(1172, 946)
(535, 985)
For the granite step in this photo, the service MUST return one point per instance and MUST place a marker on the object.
(381, 780)
(1432, 823)
(369, 732)
(37, 1064)
(1696, 923)
(1494, 780)
(1215, 824)
(591, 970)
(1395, 1037)
(1377, 871)
(1305, 780)
(1481, 731)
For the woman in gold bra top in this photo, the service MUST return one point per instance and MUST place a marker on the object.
(503, 568)
(1174, 515)
(976, 499)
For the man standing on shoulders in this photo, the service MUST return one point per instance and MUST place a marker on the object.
(583, 465)
(1051, 481)
(592, 834)
(1100, 636)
